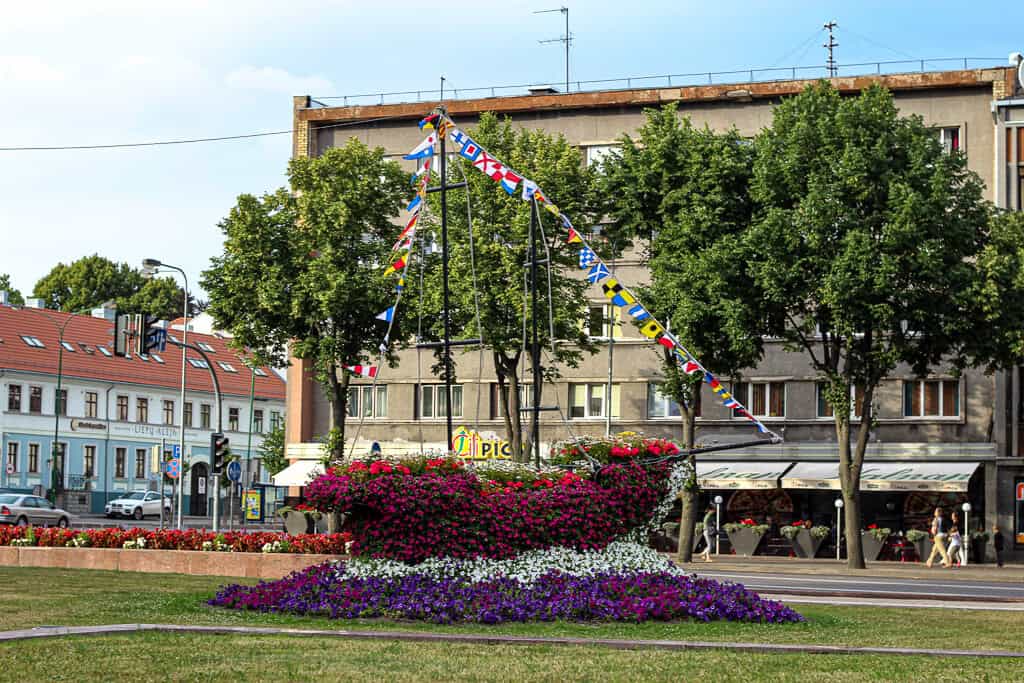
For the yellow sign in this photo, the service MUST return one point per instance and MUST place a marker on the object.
(472, 446)
(253, 504)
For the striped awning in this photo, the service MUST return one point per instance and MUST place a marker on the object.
(740, 475)
(885, 476)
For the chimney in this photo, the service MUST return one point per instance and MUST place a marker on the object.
(35, 303)
(5, 299)
(108, 311)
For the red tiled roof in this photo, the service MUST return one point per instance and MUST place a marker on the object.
(15, 354)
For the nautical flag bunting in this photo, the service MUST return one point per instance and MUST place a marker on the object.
(364, 370)
(573, 237)
(598, 272)
(387, 315)
(587, 257)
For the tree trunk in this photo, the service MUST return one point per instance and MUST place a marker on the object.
(508, 397)
(515, 418)
(851, 462)
(691, 490)
(338, 397)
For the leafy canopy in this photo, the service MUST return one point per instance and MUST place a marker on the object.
(14, 296)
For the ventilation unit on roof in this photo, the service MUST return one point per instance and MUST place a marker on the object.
(542, 90)
(35, 303)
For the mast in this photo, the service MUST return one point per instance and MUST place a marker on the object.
(534, 341)
(446, 303)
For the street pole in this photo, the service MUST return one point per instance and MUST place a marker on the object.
(447, 310)
(839, 527)
(248, 445)
(535, 338)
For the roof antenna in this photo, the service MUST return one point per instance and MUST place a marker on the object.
(567, 39)
(442, 88)
(831, 45)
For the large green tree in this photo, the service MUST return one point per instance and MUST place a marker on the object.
(501, 225)
(867, 245)
(271, 451)
(92, 280)
(684, 192)
(13, 295)
(302, 268)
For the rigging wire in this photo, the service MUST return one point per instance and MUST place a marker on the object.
(476, 302)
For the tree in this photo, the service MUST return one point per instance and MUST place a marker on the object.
(13, 295)
(866, 246)
(304, 269)
(272, 451)
(685, 192)
(501, 247)
(93, 280)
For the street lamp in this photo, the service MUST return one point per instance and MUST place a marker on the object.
(718, 521)
(150, 267)
(839, 525)
(966, 533)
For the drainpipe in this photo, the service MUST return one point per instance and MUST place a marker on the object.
(3, 444)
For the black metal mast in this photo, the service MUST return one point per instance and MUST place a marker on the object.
(444, 271)
(534, 342)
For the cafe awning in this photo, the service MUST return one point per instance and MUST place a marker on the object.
(299, 473)
(885, 476)
(740, 475)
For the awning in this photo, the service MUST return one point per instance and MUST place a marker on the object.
(887, 476)
(299, 473)
(740, 475)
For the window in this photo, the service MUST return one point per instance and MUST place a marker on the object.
(157, 358)
(12, 457)
(62, 402)
(931, 398)
(596, 153)
(660, 405)
(361, 401)
(206, 347)
(14, 397)
(433, 400)
(275, 419)
(105, 351)
(120, 456)
(188, 414)
(602, 319)
(92, 402)
(588, 400)
(35, 399)
(168, 412)
(825, 409)
(86, 348)
(198, 363)
(525, 398)
(204, 416)
(122, 408)
(89, 461)
(140, 463)
(257, 421)
(33, 341)
(143, 357)
(141, 409)
(762, 399)
(68, 346)
(227, 367)
(259, 372)
(33, 458)
(949, 138)
(60, 457)
(233, 419)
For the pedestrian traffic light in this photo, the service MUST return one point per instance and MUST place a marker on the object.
(149, 335)
(218, 451)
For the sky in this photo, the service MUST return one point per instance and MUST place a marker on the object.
(115, 71)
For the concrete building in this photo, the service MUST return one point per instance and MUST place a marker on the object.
(939, 439)
(113, 410)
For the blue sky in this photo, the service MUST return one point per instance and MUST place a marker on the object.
(108, 71)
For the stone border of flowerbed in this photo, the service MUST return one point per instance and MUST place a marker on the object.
(196, 562)
(485, 639)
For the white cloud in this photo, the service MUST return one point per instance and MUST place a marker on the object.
(28, 69)
(277, 80)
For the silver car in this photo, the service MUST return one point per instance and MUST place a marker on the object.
(23, 510)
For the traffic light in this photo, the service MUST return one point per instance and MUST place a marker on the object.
(218, 451)
(149, 335)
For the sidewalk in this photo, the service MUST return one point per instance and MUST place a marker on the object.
(1010, 573)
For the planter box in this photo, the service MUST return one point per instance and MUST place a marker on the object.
(744, 541)
(923, 548)
(872, 546)
(804, 545)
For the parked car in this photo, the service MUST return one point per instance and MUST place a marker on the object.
(137, 504)
(25, 509)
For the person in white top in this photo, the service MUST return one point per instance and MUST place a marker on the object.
(955, 549)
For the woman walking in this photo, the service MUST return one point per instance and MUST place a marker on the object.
(710, 531)
(955, 549)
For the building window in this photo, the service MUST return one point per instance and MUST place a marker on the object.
(595, 154)
(659, 405)
(35, 399)
(14, 398)
(603, 320)
(588, 400)
(198, 363)
(188, 414)
(259, 372)
(89, 461)
(931, 398)
(525, 398)
(949, 138)
(433, 400)
(825, 408)
(275, 420)
(12, 457)
(33, 458)
(168, 412)
(33, 341)
(257, 421)
(233, 419)
(226, 367)
(122, 408)
(206, 347)
(60, 457)
(157, 358)
(762, 399)
(142, 409)
(92, 402)
(62, 402)
(140, 463)
(120, 456)
(361, 401)
(68, 346)
(105, 351)
(204, 416)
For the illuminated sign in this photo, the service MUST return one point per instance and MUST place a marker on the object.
(472, 446)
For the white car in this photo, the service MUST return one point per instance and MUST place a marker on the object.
(138, 504)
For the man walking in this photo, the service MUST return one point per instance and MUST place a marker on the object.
(940, 530)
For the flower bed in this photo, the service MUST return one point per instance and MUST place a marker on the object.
(329, 590)
(412, 509)
(172, 539)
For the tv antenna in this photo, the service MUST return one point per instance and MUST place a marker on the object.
(831, 45)
(567, 39)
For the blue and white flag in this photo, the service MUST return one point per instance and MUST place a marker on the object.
(414, 205)
(529, 187)
(565, 221)
(587, 257)
(424, 149)
(597, 273)
(639, 312)
(387, 315)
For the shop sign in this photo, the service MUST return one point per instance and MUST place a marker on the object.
(253, 504)
(1020, 490)
(78, 425)
(151, 431)
(473, 446)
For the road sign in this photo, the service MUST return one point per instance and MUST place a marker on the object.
(234, 471)
(177, 451)
(10, 468)
(173, 468)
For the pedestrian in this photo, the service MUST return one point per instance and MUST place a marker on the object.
(940, 531)
(955, 549)
(998, 543)
(710, 531)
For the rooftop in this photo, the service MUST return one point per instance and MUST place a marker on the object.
(29, 342)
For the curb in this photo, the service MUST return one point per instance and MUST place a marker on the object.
(482, 639)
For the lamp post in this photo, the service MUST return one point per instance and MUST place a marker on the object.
(151, 267)
(966, 533)
(839, 526)
(718, 521)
